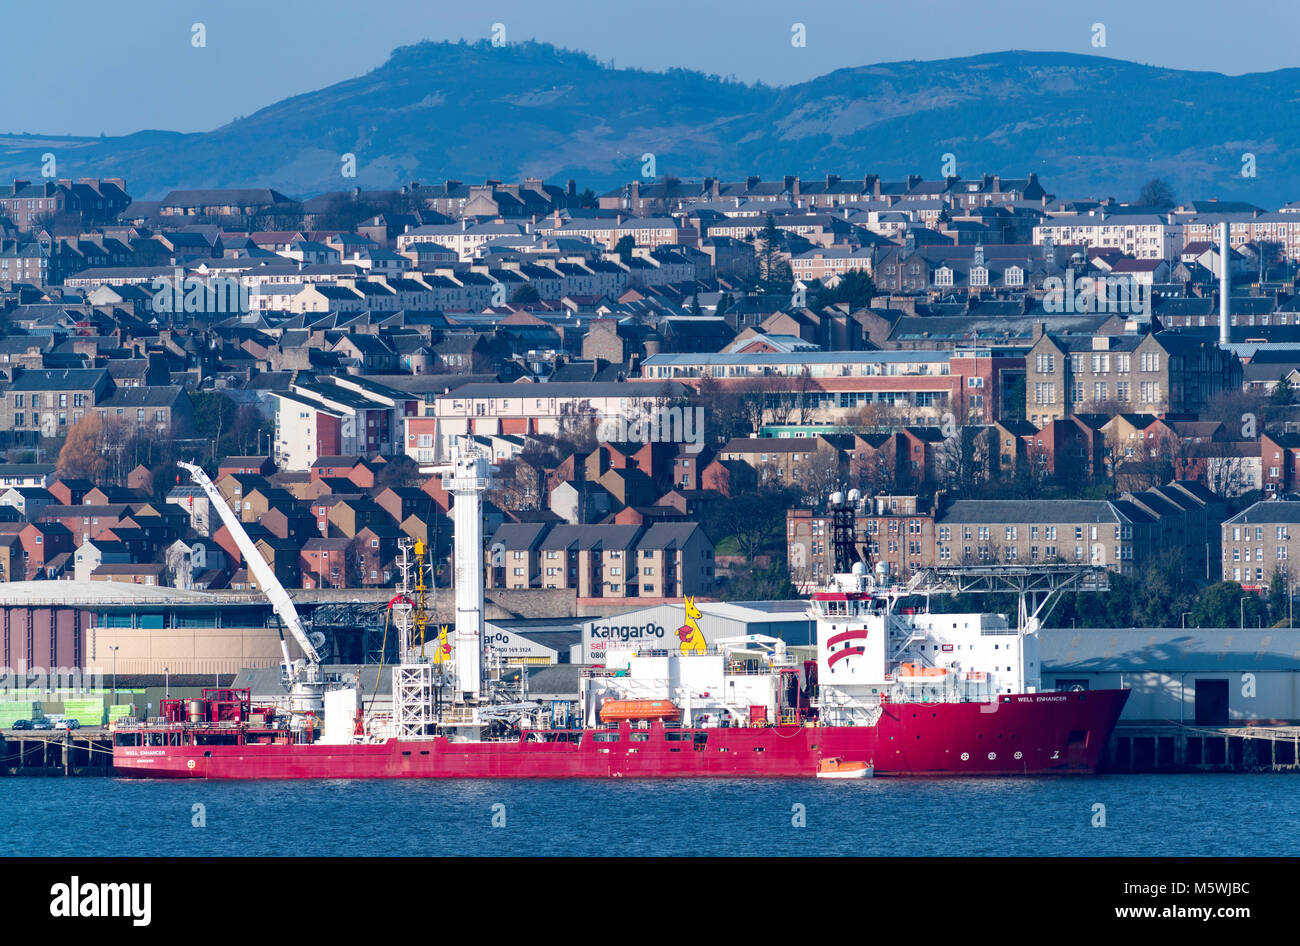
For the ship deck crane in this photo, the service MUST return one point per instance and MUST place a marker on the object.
(302, 677)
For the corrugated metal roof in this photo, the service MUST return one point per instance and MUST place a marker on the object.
(1170, 650)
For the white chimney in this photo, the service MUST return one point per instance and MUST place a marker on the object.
(1225, 285)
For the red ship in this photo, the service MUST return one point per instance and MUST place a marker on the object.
(1026, 735)
(892, 691)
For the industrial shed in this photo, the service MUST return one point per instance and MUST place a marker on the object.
(1203, 676)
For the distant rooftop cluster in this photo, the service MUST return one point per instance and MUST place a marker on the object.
(978, 354)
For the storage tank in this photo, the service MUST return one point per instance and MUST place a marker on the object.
(195, 711)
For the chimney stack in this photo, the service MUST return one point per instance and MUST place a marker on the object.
(1225, 285)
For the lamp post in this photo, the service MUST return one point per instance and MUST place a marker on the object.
(1243, 612)
(167, 684)
(1184, 619)
(113, 648)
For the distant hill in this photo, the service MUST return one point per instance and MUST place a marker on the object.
(1089, 126)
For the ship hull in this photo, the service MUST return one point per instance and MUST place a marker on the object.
(1031, 734)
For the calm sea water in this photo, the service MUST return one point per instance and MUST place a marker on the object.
(1145, 815)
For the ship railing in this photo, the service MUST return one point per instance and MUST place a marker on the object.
(457, 716)
(757, 670)
(158, 722)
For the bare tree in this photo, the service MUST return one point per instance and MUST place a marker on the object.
(578, 428)
(876, 472)
(962, 461)
(822, 475)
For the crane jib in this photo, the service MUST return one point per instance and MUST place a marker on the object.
(257, 565)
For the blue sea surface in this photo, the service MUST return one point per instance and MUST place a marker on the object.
(1144, 815)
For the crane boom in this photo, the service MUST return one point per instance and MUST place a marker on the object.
(257, 565)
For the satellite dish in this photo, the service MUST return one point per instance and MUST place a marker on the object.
(317, 639)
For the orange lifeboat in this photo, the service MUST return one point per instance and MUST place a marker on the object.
(913, 672)
(838, 768)
(614, 711)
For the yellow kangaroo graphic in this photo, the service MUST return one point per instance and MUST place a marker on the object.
(442, 654)
(691, 638)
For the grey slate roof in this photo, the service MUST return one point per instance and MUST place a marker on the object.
(1268, 512)
(999, 511)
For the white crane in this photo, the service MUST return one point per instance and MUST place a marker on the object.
(303, 676)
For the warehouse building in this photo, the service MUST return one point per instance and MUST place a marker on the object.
(657, 626)
(1206, 676)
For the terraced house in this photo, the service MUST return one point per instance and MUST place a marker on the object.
(1261, 540)
(665, 560)
(44, 403)
(1115, 534)
(1152, 373)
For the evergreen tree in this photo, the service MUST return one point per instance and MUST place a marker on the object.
(1283, 392)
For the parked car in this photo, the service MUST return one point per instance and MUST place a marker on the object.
(68, 724)
(22, 724)
(42, 724)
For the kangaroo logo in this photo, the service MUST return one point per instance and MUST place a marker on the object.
(443, 651)
(691, 638)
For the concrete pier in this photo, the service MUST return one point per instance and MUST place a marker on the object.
(63, 752)
(1174, 747)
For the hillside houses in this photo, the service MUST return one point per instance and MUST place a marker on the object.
(900, 336)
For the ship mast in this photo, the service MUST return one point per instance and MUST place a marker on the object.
(466, 477)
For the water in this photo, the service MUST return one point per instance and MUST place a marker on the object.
(1156, 815)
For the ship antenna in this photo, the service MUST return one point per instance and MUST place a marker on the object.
(843, 527)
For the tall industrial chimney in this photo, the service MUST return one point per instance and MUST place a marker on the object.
(1225, 285)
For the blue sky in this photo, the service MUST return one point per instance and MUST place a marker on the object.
(139, 52)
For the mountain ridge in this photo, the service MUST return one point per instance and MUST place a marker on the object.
(1090, 126)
